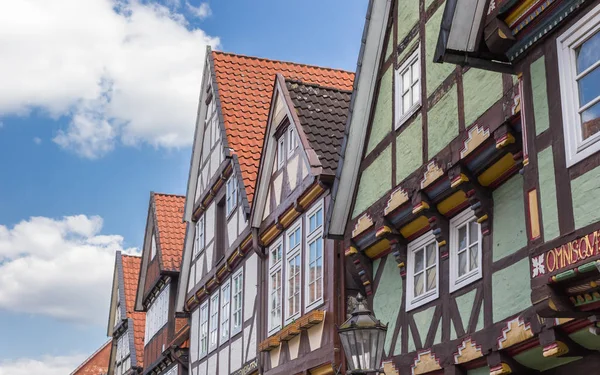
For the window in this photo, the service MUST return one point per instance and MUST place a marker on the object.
(122, 357)
(118, 310)
(172, 371)
(579, 68)
(225, 306)
(157, 314)
(293, 271)
(314, 256)
(465, 250)
(153, 247)
(281, 151)
(214, 322)
(199, 243)
(231, 194)
(238, 299)
(275, 286)
(408, 89)
(292, 140)
(422, 274)
(204, 329)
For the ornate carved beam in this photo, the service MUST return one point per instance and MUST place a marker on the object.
(437, 222)
(480, 198)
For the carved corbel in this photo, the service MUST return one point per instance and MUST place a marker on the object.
(479, 197)
(398, 246)
(557, 344)
(502, 364)
(595, 328)
(360, 260)
(550, 304)
(437, 222)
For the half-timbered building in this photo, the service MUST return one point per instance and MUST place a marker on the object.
(467, 195)
(125, 326)
(166, 337)
(302, 293)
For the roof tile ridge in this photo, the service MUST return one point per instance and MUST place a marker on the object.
(281, 61)
(168, 194)
(304, 83)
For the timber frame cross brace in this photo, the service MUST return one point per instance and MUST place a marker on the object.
(479, 198)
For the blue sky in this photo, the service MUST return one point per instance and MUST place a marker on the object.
(94, 119)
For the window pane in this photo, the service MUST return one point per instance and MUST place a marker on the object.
(588, 53)
(473, 232)
(462, 263)
(589, 86)
(590, 120)
(406, 81)
(419, 261)
(415, 71)
(431, 254)
(416, 93)
(431, 278)
(418, 284)
(406, 102)
(474, 257)
(462, 237)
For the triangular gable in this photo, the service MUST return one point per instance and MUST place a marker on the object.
(281, 110)
(117, 297)
(97, 363)
(369, 60)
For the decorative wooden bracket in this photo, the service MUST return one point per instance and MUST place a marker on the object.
(501, 363)
(437, 222)
(557, 344)
(479, 197)
(550, 304)
(506, 140)
(398, 246)
(359, 260)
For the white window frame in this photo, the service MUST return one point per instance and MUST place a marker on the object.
(275, 267)
(224, 325)
(213, 323)
(413, 302)
(289, 254)
(292, 140)
(231, 194)
(157, 314)
(199, 240)
(311, 237)
(457, 222)
(123, 354)
(576, 148)
(203, 330)
(281, 151)
(401, 117)
(153, 246)
(237, 319)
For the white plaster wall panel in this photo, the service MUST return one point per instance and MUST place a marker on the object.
(200, 264)
(224, 361)
(209, 217)
(294, 345)
(242, 222)
(304, 169)
(205, 145)
(199, 187)
(292, 171)
(250, 288)
(194, 339)
(215, 158)
(205, 176)
(232, 228)
(279, 111)
(277, 184)
(252, 342)
(202, 367)
(246, 340)
(195, 370)
(209, 256)
(315, 334)
(267, 210)
(212, 365)
(191, 279)
(275, 356)
(236, 354)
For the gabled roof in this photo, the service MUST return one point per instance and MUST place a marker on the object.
(171, 229)
(97, 363)
(131, 274)
(245, 86)
(322, 112)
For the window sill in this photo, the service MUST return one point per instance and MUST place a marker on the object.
(411, 305)
(408, 115)
(314, 305)
(465, 281)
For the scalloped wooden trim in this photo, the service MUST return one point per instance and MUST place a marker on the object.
(364, 222)
(477, 135)
(397, 199)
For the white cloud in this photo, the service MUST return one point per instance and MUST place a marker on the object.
(37, 140)
(201, 11)
(46, 365)
(61, 268)
(121, 71)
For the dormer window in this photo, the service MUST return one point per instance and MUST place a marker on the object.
(292, 140)
(199, 242)
(118, 310)
(153, 247)
(281, 151)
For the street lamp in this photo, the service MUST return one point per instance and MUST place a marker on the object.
(362, 338)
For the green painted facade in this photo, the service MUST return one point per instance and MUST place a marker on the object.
(409, 146)
(388, 298)
(508, 226)
(408, 50)
(442, 123)
(510, 294)
(586, 339)
(548, 202)
(584, 189)
(408, 16)
(436, 73)
(375, 181)
(465, 305)
(382, 119)
(422, 321)
(477, 101)
(540, 95)
(535, 359)
(479, 371)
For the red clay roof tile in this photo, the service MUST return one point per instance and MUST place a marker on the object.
(131, 274)
(171, 229)
(97, 363)
(245, 86)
